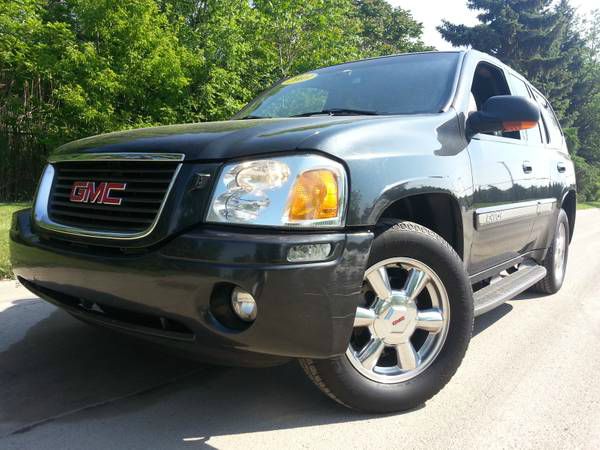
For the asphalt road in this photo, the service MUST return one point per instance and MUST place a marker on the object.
(531, 379)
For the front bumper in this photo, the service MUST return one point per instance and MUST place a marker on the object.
(163, 293)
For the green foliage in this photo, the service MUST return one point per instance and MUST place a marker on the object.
(74, 68)
(387, 30)
(588, 180)
(588, 205)
(297, 35)
(529, 36)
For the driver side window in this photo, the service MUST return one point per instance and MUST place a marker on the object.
(489, 81)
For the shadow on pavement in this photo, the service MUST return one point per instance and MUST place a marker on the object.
(128, 394)
(490, 318)
(532, 296)
(62, 366)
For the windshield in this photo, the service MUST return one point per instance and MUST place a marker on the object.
(405, 84)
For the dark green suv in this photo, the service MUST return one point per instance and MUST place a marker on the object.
(355, 217)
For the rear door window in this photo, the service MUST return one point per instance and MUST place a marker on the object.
(519, 87)
(555, 137)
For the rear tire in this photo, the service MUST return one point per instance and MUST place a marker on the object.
(440, 316)
(556, 258)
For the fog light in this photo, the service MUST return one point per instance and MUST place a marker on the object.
(243, 305)
(308, 252)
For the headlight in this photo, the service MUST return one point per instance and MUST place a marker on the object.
(290, 191)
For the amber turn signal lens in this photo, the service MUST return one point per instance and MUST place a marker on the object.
(314, 196)
(517, 126)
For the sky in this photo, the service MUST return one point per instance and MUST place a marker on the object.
(431, 13)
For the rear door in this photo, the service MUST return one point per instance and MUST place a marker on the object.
(538, 158)
(559, 164)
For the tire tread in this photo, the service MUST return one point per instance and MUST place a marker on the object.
(391, 226)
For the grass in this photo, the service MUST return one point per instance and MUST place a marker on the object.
(588, 205)
(6, 210)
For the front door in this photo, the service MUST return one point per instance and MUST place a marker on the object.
(503, 202)
(505, 198)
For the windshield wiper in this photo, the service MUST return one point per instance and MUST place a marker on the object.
(340, 112)
(254, 117)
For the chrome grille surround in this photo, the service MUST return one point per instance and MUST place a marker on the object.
(41, 211)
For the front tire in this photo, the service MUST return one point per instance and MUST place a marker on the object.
(411, 330)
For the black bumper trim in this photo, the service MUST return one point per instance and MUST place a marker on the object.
(98, 318)
(305, 310)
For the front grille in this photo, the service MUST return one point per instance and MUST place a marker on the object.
(147, 184)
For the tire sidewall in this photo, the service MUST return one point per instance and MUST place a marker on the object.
(556, 283)
(413, 241)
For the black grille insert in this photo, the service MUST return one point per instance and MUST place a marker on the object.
(114, 316)
(147, 184)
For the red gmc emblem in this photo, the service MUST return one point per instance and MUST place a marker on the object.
(89, 192)
(398, 320)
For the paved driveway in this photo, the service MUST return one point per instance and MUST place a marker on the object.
(531, 379)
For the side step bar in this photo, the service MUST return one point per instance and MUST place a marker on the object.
(495, 294)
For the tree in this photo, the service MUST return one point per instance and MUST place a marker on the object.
(588, 121)
(529, 35)
(387, 30)
(545, 43)
(73, 68)
(80, 67)
(224, 67)
(300, 35)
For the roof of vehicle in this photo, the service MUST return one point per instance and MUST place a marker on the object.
(393, 56)
(469, 51)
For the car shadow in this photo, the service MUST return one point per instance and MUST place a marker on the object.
(490, 318)
(63, 372)
(132, 394)
(527, 295)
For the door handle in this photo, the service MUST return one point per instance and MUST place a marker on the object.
(527, 167)
(561, 167)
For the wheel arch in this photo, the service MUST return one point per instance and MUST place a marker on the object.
(569, 204)
(437, 210)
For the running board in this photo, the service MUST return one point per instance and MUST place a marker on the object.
(495, 294)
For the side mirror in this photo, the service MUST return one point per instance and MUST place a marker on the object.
(504, 113)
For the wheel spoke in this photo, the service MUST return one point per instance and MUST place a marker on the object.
(408, 358)
(370, 354)
(430, 320)
(415, 282)
(364, 317)
(380, 282)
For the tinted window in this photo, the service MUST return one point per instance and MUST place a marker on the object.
(489, 81)
(406, 84)
(552, 126)
(519, 87)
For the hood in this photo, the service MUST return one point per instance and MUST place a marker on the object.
(217, 141)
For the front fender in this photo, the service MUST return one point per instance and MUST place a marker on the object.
(379, 182)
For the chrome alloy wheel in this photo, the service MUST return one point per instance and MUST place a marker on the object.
(403, 325)
(560, 247)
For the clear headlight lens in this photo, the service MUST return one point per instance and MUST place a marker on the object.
(302, 190)
(258, 175)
